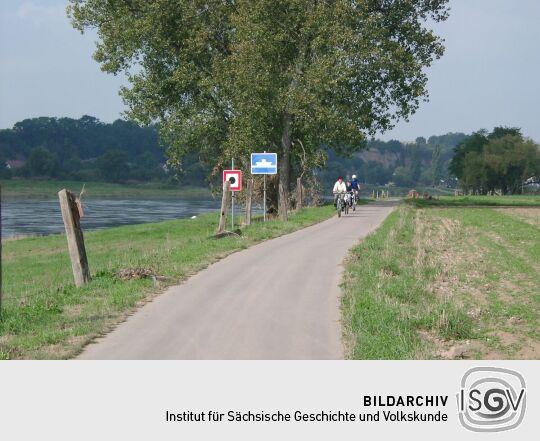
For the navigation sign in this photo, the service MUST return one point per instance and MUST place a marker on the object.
(263, 163)
(234, 177)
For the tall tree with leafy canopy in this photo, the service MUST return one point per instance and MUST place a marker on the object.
(226, 77)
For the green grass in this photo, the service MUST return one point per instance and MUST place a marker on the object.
(45, 316)
(29, 188)
(518, 200)
(446, 283)
(395, 191)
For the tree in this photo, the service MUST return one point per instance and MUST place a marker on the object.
(503, 164)
(421, 140)
(113, 166)
(224, 77)
(436, 166)
(402, 177)
(473, 144)
(448, 140)
(41, 162)
(476, 143)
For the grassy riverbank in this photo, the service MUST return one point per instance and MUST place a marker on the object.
(45, 316)
(463, 201)
(29, 188)
(446, 283)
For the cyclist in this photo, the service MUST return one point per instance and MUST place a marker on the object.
(350, 193)
(355, 186)
(339, 187)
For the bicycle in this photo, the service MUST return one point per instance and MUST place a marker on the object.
(340, 203)
(348, 200)
(355, 200)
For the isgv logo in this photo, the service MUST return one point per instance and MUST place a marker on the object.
(491, 399)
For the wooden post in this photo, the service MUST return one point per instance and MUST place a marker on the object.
(0, 251)
(299, 202)
(74, 234)
(249, 193)
(282, 203)
(224, 205)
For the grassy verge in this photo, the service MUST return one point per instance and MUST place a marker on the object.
(45, 316)
(526, 201)
(446, 283)
(29, 188)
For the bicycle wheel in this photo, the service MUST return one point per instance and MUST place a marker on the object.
(338, 206)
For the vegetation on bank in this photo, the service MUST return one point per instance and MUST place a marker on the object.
(446, 283)
(31, 188)
(45, 316)
(87, 149)
(502, 160)
(497, 201)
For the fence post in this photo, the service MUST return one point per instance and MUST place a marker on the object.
(282, 203)
(299, 195)
(0, 250)
(224, 205)
(249, 193)
(72, 223)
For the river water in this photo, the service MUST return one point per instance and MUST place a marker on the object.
(38, 217)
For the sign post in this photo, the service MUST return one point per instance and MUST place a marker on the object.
(264, 164)
(234, 177)
(232, 200)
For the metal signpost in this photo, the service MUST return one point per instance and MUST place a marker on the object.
(264, 164)
(235, 178)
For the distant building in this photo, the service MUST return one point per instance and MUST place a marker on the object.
(13, 164)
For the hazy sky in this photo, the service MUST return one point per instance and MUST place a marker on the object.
(490, 74)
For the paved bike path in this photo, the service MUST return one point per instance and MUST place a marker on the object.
(275, 300)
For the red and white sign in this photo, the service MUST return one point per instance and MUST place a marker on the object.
(234, 177)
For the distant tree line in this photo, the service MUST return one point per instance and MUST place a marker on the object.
(422, 163)
(498, 161)
(87, 149)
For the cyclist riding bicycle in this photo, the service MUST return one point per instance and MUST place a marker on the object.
(339, 188)
(355, 186)
(349, 194)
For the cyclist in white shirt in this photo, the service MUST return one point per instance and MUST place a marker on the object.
(339, 187)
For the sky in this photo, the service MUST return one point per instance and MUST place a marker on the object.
(489, 75)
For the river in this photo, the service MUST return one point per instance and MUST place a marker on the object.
(39, 217)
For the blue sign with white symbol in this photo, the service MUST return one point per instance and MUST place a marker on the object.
(263, 163)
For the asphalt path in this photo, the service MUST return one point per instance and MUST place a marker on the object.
(279, 299)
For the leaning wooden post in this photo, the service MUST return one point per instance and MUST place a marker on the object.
(74, 234)
(299, 202)
(0, 250)
(224, 206)
(249, 193)
(282, 203)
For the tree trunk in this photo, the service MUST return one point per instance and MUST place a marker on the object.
(284, 172)
(282, 203)
(299, 195)
(249, 193)
(224, 206)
